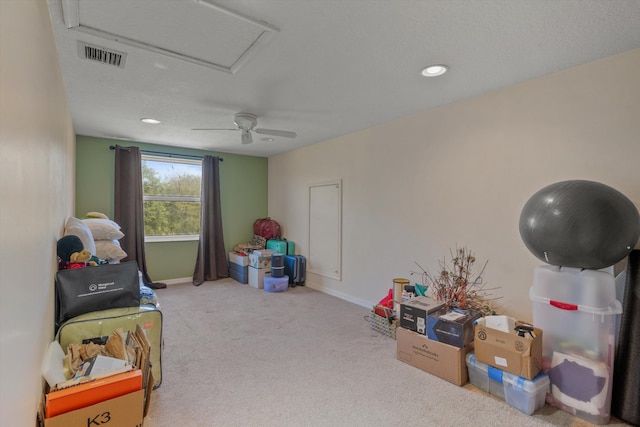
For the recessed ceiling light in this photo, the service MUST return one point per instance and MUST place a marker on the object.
(434, 70)
(267, 139)
(150, 121)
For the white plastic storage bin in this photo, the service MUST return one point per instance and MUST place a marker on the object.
(577, 311)
(525, 395)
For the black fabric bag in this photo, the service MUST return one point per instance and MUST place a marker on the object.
(101, 287)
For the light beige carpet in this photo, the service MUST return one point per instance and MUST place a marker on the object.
(238, 356)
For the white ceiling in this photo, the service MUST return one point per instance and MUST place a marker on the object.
(320, 68)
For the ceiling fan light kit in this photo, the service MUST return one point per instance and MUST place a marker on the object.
(246, 137)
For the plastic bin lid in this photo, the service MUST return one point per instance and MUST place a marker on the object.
(614, 308)
(472, 362)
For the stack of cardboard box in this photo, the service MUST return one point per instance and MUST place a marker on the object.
(437, 341)
(430, 341)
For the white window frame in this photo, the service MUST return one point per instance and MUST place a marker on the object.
(155, 198)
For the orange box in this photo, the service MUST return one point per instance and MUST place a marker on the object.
(87, 394)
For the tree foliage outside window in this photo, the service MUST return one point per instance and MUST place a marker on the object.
(171, 195)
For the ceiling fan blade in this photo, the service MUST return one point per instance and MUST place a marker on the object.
(213, 129)
(272, 132)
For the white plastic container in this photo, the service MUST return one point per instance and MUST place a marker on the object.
(525, 395)
(577, 311)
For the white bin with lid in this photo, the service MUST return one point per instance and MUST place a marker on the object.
(577, 311)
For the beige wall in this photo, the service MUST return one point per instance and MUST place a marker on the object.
(36, 194)
(460, 174)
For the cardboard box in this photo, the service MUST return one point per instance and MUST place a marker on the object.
(256, 276)
(414, 312)
(508, 351)
(125, 411)
(236, 258)
(453, 328)
(264, 252)
(259, 261)
(442, 360)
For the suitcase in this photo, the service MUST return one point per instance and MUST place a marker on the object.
(98, 324)
(295, 266)
(283, 246)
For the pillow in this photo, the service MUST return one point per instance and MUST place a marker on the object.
(96, 215)
(103, 229)
(110, 251)
(76, 227)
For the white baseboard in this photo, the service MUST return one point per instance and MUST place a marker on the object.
(340, 295)
(178, 281)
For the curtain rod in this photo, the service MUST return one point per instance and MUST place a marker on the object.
(160, 153)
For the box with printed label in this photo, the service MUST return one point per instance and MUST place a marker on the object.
(453, 328)
(414, 312)
(442, 360)
(125, 410)
(259, 261)
(519, 354)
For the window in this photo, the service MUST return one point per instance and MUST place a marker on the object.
(171, 196)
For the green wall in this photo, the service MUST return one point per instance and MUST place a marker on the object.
(243, 192)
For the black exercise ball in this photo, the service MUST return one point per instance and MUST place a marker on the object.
(579, 223)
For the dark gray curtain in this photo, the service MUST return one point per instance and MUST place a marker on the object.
(128, 208)
(211, 263)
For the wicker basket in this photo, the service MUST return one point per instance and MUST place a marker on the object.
(383, 325)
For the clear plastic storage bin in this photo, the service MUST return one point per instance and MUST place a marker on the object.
(577, 311)
(525, 395)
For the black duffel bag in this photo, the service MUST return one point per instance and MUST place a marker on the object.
(96, 288)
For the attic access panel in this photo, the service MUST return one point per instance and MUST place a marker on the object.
(197, 31)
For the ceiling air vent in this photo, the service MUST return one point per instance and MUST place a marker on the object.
(101, 54)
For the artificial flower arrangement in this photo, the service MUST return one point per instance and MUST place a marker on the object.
(457, 284)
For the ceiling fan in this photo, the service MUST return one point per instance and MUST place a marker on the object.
(246, 123)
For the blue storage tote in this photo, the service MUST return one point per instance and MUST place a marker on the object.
(276, 284)
(239, 273)
(525, 395)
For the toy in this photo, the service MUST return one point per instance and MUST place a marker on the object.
(69, 245)
(82, 256)
(72, 254)
(581, 224)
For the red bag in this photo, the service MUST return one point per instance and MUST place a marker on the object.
(267, 228)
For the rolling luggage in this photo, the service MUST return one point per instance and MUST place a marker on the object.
(282, 246)
(295, 266)
(99, 324)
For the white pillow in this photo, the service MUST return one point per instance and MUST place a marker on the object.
(110, 251)
(104, 229)
(76, 227)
